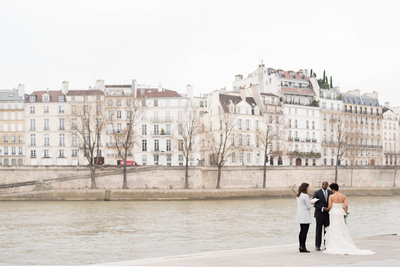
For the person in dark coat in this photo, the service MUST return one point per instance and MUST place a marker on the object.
(321, 214)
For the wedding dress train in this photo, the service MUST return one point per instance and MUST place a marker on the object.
(337, 237)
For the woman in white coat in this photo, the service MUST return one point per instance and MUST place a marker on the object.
(303, 215)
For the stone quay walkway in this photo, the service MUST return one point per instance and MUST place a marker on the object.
(387, 248)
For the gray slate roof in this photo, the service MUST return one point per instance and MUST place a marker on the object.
(360, 100)
(9, 95)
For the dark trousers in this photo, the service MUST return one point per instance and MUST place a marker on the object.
(303, 234)
(322, 221)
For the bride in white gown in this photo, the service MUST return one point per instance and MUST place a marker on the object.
(337, 237)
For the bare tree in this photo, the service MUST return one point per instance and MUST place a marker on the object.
(88, 122)
(218, 143)
(189, 131)
(341, 140)
(124, 135)
(396, 166)
(266, 137)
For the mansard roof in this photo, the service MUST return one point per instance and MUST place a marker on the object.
(155, 93)
(53, 96)
(85, 92)
(225, 100)
(360, 100)
(9, 95)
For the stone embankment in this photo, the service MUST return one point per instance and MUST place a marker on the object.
(157, 182)
(387, 249)
(177, 194)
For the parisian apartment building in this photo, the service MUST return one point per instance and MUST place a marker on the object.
(275, 117)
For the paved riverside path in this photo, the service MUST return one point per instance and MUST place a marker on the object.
(387, 248)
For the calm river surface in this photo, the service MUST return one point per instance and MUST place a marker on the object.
(67, 233)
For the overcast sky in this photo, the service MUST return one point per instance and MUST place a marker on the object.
(203, 43)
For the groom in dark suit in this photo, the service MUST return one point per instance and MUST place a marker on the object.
(321, 216)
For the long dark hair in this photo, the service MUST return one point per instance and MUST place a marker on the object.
(302, 189)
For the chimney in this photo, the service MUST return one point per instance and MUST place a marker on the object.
(243, 93)
(134, 88)
(238, 77)
(21, 91)
(159, 87)
(387, 105)
(374, 94)
(355, 92)
(100, 85)
(189, 91)
(64, 87)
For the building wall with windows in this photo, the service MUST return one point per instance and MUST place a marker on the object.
(160, 128)
(390, 137)
(46, 135)
(12, 128)
(79, 101)
(363, 119)
(331, 115)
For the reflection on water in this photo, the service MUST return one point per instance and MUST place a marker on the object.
(97, 232)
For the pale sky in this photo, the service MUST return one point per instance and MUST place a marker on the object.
(203, 43)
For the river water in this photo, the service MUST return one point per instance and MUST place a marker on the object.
(67, 233)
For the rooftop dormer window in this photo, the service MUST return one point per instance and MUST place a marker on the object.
(281, 73)
(45, 98)
(32, 98)
(60, 98)
(292, 74)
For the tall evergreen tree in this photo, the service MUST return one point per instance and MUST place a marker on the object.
(324, 76)
(331, 82)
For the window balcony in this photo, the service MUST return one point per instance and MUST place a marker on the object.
(161, 119)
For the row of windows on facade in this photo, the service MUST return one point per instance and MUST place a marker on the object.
(294, 84)
(13, 150)
(12, 106)
(332, 106)
(354, 152)
(391, 160)
(298, 100)
(163, 103)
(352, 130)
(356, 119)
(12, 139)
(13, 127)
(390, 148)
(308, 137)
(307, 124)
(247, 158)
(46, 98)
(361, 110)
(32, 109)
(156, 159)
(238, 110)
(388, 136)
(307, 112)
(157, 130)
(46, 124)
(12, 162)
(13, 115)
(156, 147)
(46, 140)
(60, 153)
(355, 141)
(390, 125)
(352, 162)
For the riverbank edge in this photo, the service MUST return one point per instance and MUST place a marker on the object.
(176, 194)
(385, 248)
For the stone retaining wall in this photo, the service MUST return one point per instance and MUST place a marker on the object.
(58, 178)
